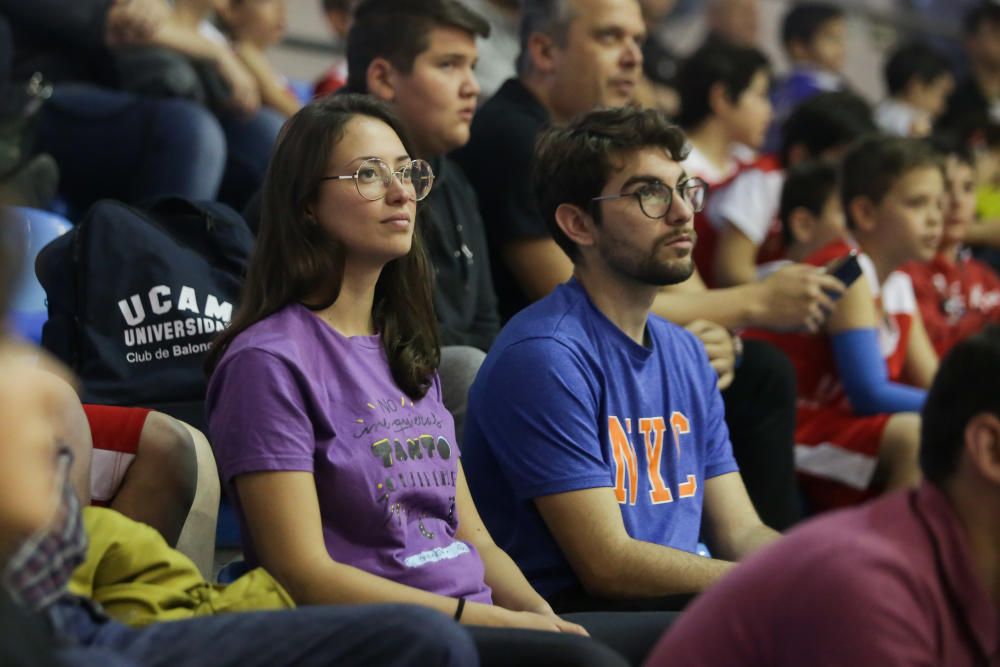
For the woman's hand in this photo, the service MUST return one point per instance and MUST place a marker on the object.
(566, 626)
(498, 617)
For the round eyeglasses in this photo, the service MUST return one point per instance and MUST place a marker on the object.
(374, 176)
(655, 197)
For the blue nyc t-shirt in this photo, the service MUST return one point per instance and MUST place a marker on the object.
(566, 401)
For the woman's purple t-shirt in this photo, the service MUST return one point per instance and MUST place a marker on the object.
(293, 394)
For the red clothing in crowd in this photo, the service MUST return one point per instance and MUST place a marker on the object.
(748, 200)
(332, 80)
(956, 299)
(836, 449)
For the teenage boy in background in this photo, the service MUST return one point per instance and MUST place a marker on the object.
(425, 71)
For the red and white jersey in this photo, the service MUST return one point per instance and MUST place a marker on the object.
(748, 200)
(812, 355)
(957, 298)
(698, 164)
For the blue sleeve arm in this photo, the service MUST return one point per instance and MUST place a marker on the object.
(866, 379)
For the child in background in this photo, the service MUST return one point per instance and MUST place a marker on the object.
(743, 214)
(338, 15)
(812, 216)
(919, 80)
(982, 141)
(858, 426)
(813, 36)
(958, 295)
(725, 110)
(254, 26)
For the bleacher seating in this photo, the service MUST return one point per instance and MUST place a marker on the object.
(38, 228)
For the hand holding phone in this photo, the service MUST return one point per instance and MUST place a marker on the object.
(846, 269)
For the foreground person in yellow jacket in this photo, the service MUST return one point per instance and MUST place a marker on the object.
(138, 579)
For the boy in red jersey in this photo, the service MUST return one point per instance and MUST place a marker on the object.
(858, 425)
(742, 214)
(958, 295)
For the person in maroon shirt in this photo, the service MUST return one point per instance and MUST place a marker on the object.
(911, 579)
(957, 294)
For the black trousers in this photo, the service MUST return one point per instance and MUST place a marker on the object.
(575, 600)
(760, 413)
(24, 641)
(616, 639)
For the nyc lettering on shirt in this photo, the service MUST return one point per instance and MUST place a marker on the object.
(653, 431)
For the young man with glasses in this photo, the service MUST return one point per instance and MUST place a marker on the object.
(424, 70)
(577, 55)
(596, 436)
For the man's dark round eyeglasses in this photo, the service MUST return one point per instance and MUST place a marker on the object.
(655, 197)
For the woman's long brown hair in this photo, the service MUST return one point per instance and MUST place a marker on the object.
(295, 260)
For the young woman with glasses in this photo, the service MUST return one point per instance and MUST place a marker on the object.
(325, 406)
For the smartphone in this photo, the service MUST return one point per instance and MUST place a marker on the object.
(847, 269)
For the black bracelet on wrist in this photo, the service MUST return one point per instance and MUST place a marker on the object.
(460, 609)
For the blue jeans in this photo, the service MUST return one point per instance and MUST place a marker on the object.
(113, 144)
(304, 637)
(249, 142)
(110, 144)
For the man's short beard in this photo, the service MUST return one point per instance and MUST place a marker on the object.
(663, 274)
(650, 270)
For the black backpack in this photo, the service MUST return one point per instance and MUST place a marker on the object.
(135, 296)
